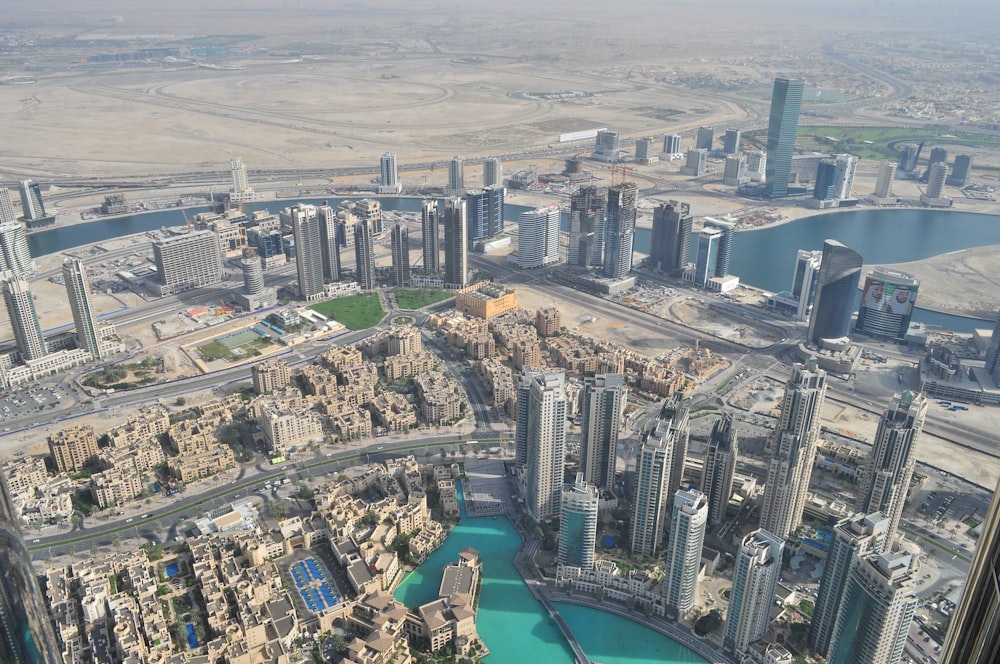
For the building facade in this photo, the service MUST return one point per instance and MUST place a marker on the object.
(538, 238)
(24, 319)
(649, 509)
(400, 241)
(187, 261)
(587, 210)
(304, 220)
(578, 524)
(682, 561)
(364, 255)
(604, 397)
(78, 292)
(543, 419)
(755, 578)
(456, 261)
(719, 467)
(782, 130)
(619, 229)
(670, 244)
(492, 172)
(836, 290)
(887, 301)
(15, 257)
(389, 174)
(456, 177)
(430, 225)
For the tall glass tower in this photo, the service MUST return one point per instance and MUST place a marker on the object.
(78, 291)
(578, 524)
(782, 130)
(619, 229)
(604, 398)
(836, 291)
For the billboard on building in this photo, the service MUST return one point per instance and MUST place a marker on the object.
(886, 307)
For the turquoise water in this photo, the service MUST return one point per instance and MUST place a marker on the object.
(621, 641)
(514, 626)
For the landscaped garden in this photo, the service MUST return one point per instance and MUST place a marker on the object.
(418, 299)
(355, 312)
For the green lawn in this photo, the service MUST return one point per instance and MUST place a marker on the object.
(215, 351)
(356, 312)
(418, 299)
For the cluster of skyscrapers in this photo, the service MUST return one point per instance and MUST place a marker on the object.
(602, 228)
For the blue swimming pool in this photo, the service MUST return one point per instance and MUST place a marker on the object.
(192, 638)
(172, 570)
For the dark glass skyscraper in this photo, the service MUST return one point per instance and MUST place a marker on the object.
(782, 130)
(619, 229)
(671, 241)
(836, 291)
(485, 210)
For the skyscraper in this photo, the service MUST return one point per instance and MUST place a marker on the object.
(619, 229)
(429, 226)
(854, 537)
(649, 509)
(400, 255)
(604, 398)
(705, 138)
(26, 632)
(78, 291)
(883, 183)
(825, 186)
(876, 610)
(886, 479)
(241, 191)
(671, 240)
(960, 171)
(937, 156)
(484, 209)
(544, 424)
(720, 467)
(682, 560)
(725, 244)
(909, 156)
(887, 301)
(578, 524)
(32, 206)
(782, 130)
(731, 141)
(993, 353)
(456, 177)
(364, 255)
(6, 207)
(706, 260)
(304, 221)
(607, 146)
(492, 172)
(804, 281)
(793, 449)
(24, 319)
(672, 143)
(538, 238)
(253, 272)
(329, 247)
(936, 179)
(456, 270)
(587, 209)
(15, 257)
(755, 578)
(389, 174)
(836, 291)
(974, 635)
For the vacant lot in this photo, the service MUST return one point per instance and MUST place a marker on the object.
(355, 312)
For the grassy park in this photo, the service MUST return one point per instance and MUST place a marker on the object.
(356, 312)
(418, 299)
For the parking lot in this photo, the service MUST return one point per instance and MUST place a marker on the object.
(27, 400)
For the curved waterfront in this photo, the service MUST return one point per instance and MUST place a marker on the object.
(764, 257)
(514, 626)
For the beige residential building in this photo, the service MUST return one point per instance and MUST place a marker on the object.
(115, 486)
(270, 375)
(548, 321)
(485, 300)
(440, 403)
(141, 427)
(24, 474)
(480, 346)
(73, 447)
(526, 353)
(404, 366)
(342, 358)
(393, 411)
(318, 380)
(285, 428)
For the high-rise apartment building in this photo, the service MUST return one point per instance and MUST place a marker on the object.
(731, 141)
(793, 449)
(304, 221)
(835, 178)
(6, 207)
(619, 229)
(492, 172)
(757, 165)
(782, 130)
(937, 156)
(936, 179)
(707, 255)
(695, 162)
(876, 610)
(804, 281)
(607, 147)
(24, 319)
(187, 261)
(974, 634)
(364, 255)
(735, 173)
(456, 257)
(682, 560)
(670, 244)
(253, 272)
(484, 209)
(15, 257)
(72, 448)
(887, 301)
(883, 182)
(389, 174)
(649, 509)
(329, 246)
(705, 138)
(672, 143)
(604, 397)
(544, 424)
(587, 210)
(241, 191)
(430, 224)
(400, 255)
(960, 170)
(538, 238)
(836, 290)
(854, 537)
(755, 578)
(725, 252)
(909, 156)
(578, 524)
(78, 292)
(886, 479)
(456, 177)
(644, 152)
(719, 467)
